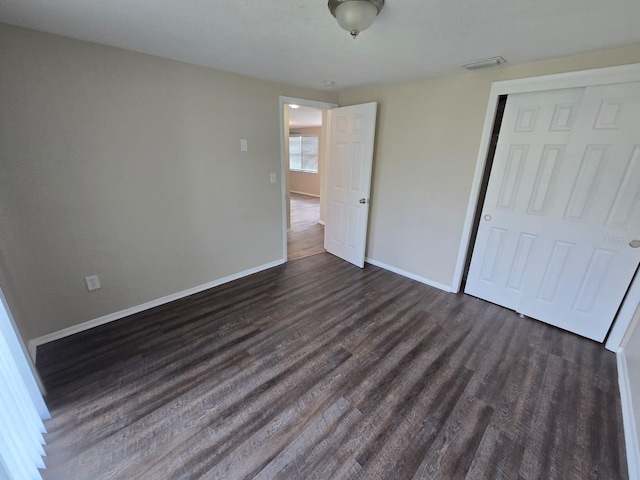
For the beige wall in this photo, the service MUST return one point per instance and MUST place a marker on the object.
(307, 182)
(303, 182)
(128, 166)
(426, 150)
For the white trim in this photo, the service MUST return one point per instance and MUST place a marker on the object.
(474, 197)
(50, 337)
(625, 319)
(305, 193)
(628, 418)
(26, 368)
(321, 222)
(303, 102)
(585, 78)
(23, 409)
(412, 276)
(283, 173)
(24, 350)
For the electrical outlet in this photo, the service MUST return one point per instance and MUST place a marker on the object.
(244, 147)
(93, 283)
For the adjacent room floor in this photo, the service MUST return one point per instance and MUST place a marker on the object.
(306, 236)
(318, 369)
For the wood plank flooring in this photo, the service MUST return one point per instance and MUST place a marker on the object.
(306, 236)
(320, 370)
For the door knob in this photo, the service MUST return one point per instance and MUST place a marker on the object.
(363, 200)
(634, 243)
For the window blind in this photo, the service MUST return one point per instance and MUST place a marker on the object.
(21, 409)
(303, 153)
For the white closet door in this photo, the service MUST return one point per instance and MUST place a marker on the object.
(562, 211)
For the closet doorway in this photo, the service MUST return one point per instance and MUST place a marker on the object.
(589, 182)
(556, 241)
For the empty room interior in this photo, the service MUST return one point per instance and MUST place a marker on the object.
(354, 239)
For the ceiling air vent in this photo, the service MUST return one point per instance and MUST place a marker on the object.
(494, 62)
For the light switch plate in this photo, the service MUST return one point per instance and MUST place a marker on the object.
(273, 178)
(244, 146)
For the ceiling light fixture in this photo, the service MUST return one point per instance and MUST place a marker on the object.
(355, 16)
(294, 106)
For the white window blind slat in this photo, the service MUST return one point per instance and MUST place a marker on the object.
(21, 439)
(303, 153)
(33, 425)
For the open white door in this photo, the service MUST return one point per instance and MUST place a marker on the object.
(560, 229)
(349, 165)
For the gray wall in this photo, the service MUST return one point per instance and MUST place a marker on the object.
(128, 166)
(426, 150)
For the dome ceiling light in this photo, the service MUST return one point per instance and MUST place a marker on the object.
(355, 16)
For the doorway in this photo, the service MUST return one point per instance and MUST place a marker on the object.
(346, 187)
(307, 139)
(303, 148)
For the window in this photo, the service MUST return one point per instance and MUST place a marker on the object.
(303, 153)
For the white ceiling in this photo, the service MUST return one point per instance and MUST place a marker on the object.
(305, 117)
(298, 42)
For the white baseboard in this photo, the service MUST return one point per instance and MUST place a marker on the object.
(410, 275)
(81, 327)
(321, 222)
(628, 417)
(305, 193)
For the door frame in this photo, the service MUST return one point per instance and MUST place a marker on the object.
(283, 161)
(583, 78)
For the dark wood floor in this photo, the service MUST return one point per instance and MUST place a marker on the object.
(317, 369)
(306, 236)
